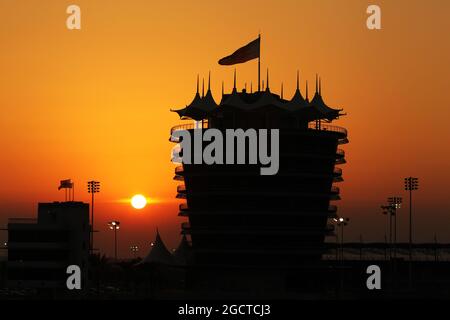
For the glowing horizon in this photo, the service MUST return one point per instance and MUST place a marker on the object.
(95, 103)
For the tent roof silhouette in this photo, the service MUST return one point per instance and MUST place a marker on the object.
(297, 100)
(158, 253)
(182, 253)
(320, 106)
(199, 108)
(204, 106)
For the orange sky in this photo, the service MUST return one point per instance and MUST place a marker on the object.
(94, 103)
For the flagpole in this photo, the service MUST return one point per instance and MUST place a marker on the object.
(259, 64)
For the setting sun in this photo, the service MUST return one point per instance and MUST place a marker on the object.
(138, 201)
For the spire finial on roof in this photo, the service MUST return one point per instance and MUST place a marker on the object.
(262, 86)
(267, 79)
(281, 90)
(203, 87)
(320, 86)
(317, 86)
(234, 83)
(298, 80)
(307, 90)
(251, 87)
(197, 82)
(209, 80)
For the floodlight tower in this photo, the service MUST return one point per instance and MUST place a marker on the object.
(395, 203)
(411, 184)
(93, 188)
(114, 225)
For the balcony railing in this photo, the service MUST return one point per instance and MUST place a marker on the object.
(185, 225)
(329, 229)
(178, 177)
(183, 207)
(327, 127)
(337, 171)
(179, 170)
(22, 220)
(189, 126)
(181, 188)
(340, 153)
(311, 125)
(332, 208)
(335, 189)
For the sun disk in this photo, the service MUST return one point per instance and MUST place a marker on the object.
(138, 201)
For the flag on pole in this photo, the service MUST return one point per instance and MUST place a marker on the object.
(66, 184)
(248, 52)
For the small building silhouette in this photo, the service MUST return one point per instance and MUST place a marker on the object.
(40, 250)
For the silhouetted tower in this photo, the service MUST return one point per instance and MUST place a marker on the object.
(238, 217)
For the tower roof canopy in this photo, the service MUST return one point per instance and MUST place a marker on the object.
(202, 107)
(199, 108)
(319, 105)
(233, 100)
(297, 102)
(267, 99)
